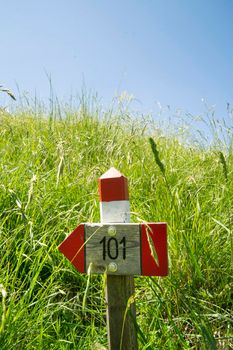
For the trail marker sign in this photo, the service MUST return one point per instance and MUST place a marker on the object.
(122, 250)
(118, 248)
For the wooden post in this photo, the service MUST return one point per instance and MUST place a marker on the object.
(114, 208)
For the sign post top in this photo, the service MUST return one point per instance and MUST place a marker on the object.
(113, 186)
(111, 173)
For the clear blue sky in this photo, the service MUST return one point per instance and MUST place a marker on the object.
(175, 52)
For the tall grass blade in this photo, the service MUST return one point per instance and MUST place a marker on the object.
(87, 288)
(3, 294)
(224, 165)
(8, 91)
(156, 156)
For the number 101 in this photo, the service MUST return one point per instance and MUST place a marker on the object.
(111, 247)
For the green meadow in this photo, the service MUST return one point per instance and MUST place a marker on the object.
(49, 170)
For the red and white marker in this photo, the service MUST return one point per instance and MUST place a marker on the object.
(121, 250)
(114, 197)
(115, 208)
(115, 246)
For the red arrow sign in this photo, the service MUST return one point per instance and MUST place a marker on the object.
(154, 249)
(134, 249)
(73, 248)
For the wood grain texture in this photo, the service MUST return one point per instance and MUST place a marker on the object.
(118, 291)
(123, 248)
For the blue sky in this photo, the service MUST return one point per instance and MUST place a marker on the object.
(175, 52)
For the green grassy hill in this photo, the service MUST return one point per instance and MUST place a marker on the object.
(48, 185)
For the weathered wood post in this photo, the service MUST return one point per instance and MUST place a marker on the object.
(115, 208)
(121, 250)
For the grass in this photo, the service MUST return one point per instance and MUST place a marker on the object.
(49, 169)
